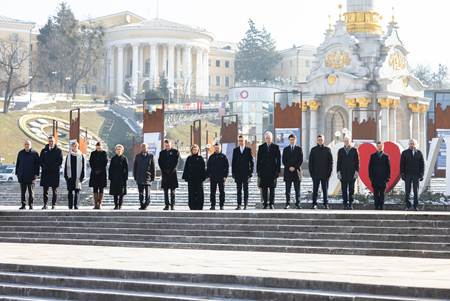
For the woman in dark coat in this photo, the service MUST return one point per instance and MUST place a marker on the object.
(168, 162)
(118, 175)
(194, 174)
(98, 161)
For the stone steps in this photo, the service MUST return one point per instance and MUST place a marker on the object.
(386, 234)
(25, 282)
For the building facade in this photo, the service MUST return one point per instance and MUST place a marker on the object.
(295, 64)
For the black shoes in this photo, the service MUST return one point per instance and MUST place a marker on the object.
(314, 206)
(45, 207)
(212, 208)
(297, 206)
(22, 207)
(221, 208)
(265, 206)
(287, 206)
(167, 207)
(238, 207)
(325, 206)
(271, 206)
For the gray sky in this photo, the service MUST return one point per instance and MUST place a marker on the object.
(423, 26)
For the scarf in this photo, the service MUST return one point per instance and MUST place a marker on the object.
(80, 167)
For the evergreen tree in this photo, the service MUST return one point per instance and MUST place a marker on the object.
(257, 55)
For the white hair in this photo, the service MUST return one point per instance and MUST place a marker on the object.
(413, 140)
(119, 146)
(268, 133)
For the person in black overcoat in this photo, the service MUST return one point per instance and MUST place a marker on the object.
(168, 162)
(320, 168)
(242, 166)
(379, 174)
(217, 171)
(27, 171)
(144, 174)
(412, 169)
(194, 174)
(118, 175)
(98, 178)
(292, 161)
(348, 171)
(268, 166)
(51, 159)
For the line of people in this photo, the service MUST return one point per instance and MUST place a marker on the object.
(216, 169)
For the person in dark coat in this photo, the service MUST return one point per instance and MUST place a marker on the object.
(194, 174)
(217, 171)
(241, 170)
(268, 166)
(292, 160)
(51, 159)
(27, 170)
(379, 174)
(97, 180)
(412, 168)
(168, 162)
(320, 168)
(144, 174)
(118, 176)
(348, 171)
(74, 171)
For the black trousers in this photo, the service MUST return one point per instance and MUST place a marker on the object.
(268, 195)
(73, 198)
(196, 195)
(213, 189)
(348, 190)
(172, 197)
(288, 183)
(118, 200)
(412, 181)
(23, 190)
(324, 184)
(378, 195)
(144, 195)
(242, 185)
(54, 195)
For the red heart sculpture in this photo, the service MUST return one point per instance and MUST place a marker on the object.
(393, 150)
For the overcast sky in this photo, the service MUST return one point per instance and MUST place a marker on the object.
(423, 24)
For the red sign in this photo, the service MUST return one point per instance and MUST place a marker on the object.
(390, 148)
(243, 94)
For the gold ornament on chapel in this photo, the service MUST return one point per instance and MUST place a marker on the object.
(331, 79)
(337, 59)
(397, 61)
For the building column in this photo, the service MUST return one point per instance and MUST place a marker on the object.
(141, 68)
(171, 66)
(313, 130)
(153, 65)
(351, 105)
(363, 104)
(187, 70)
(135, 71)
(119, 84)
(179, 65)
(164, 60)
(424, 128)
(110, 63)
(304, 131)
(205, 73)
(384, 103)
(414, 121)
(393, 119)
(198, 73)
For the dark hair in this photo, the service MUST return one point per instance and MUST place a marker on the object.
(240, 136)
(292, 136)
(98, 143)
(166, 140)
(379, 142)
(320, 136)
(50, 137)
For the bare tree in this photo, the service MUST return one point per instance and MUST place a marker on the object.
(14, 59)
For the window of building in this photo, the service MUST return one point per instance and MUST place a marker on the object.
(218, 81)
(227, 64)
(227, 81)
(217, 63)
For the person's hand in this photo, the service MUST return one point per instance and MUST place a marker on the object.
(421, 179)
(355, 177)
(291, 169)
(339, 175)
(225, 179)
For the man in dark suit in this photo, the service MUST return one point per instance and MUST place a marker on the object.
(27, 171)
(379, 174)
(168, 162)
(412, 168)
(51, 159)
(268, 165)
(348, 171)
(242, 169)
(320, 167)
(292, 161)
(217, 171)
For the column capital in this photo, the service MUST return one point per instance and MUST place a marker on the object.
(395, 103)
(415, 107)
(351, 103)
(385, 103)
(313, 105)
(304, 106)
(363, 102)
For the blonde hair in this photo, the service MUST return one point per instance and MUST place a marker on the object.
(194, 146)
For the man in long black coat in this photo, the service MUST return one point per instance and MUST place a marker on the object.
(242, 169)
(27, 170)
(144, 174)
(348, 171)
(412, 168)
(51, 159)
(379, 174)
(168, 162)
(320, 168)
(268, 166)
(217, 169)
(292, 161)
